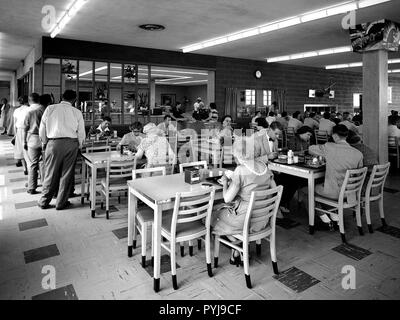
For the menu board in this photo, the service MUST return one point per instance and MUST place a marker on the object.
(382, 34)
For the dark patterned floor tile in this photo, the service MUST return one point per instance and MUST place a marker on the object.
(32, 224)
(296, 279)
(352, 251)
(41, 253)
(63, 293)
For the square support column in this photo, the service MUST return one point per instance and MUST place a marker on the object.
(375, 105)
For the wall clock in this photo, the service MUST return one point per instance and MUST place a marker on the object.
(258, 74)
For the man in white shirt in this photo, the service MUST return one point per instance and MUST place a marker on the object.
(62, 132)
(348, 123)
(311, 122)
(166, 126)
(266, 145)
(325, 124)
(393, 130)
(294, 122)
(271, 117)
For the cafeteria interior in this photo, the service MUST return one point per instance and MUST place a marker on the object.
(117, 244)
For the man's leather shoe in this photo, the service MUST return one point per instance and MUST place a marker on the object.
(45, 206)
(67, 205)
(32, 191)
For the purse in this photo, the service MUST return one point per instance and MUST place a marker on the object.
(13, 141)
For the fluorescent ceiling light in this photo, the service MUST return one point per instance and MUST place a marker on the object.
(367, 3)
(394, 71)
(284, 23)
(193, 81)
(309, 54)
(355, 64)
(69, 14)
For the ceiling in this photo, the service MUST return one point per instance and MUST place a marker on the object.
(188, 22)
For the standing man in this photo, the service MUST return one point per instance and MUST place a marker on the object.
(62, 132)
(4, 118)
(32, 142)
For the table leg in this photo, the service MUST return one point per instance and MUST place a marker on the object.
(157, 246)
(93, 191)
(83, 181)
(311, 211)
(132, 205)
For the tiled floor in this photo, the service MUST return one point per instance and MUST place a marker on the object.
(90, 255)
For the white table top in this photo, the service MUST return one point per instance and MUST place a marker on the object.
(299, 168)
(162, 188)
(98, 157)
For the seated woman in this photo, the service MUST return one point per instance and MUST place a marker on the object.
(155, 147)
(228, 217)
(133, 138)
(227, 130)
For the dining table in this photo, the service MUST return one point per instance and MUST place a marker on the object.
(96, 161)
(159, 192)
(309, 173)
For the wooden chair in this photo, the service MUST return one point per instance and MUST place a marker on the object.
(394, 149)
(144, 214)
(263, 207)
(101, 174)
(321, 136)
(349, 197)
(182, 166)
(185, 224)
(117, 175)
(374, 192)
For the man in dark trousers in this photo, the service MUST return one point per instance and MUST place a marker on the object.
(62, 132)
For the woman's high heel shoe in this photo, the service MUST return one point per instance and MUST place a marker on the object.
(236, 260)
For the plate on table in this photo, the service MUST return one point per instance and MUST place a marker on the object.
(313, 165)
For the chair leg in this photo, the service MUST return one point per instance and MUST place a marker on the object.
(358, 218)
(367, 210)
(258, 247)
(246, 264)
(152, 245)
(199, 244)
(208, 254)
(173, 265)
(107, 204)
(216, 250)
(182, 250)
(341, 225)
(272, 248)
(144, 240)
(381, 212)
(191, 248)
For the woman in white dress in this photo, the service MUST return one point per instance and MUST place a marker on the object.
(19, 128)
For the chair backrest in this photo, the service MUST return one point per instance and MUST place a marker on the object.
(352, 185)
(193, 206)
(321, 136)
(119, 169)
(393, 145)
(98, 149)
(377, 179)
(202, 163)
(263, 206)
(147, 172)
(290, 132)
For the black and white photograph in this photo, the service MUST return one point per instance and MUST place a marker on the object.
(207, 157)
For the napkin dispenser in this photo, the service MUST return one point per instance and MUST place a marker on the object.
(192, 175)
(124, 149)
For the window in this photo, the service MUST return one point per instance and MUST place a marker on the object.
(267, 97)
(250, 96)
(356, 100)
(389, 94)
